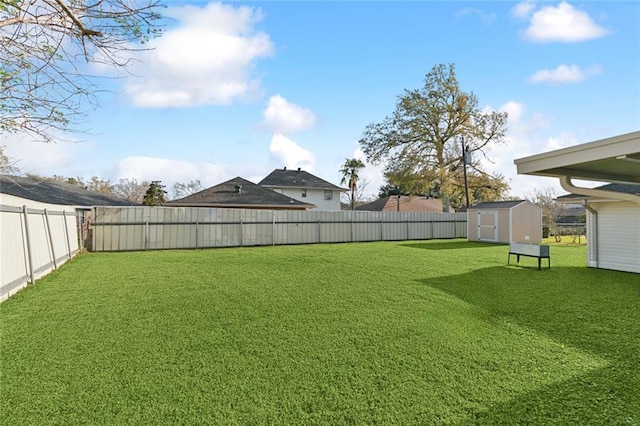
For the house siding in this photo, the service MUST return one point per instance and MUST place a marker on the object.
(314, 196)
(618, 236)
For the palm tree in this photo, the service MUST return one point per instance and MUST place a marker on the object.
(349, 172)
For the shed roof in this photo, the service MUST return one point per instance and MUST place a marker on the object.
(53, 192)
(283, 178)
(615, 159)
(497, 204)
(239, 193)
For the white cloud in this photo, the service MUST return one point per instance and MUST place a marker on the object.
(521, 141)
(284, 117)
(486, 18)
(206, 59)
(562, 141)
(562, 23)
(523, 9)
(169, 171)
(564, 74)
(45, 159)
(288, 154)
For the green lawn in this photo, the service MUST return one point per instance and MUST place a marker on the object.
(435, 332)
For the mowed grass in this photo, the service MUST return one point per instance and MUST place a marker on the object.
(433, 332)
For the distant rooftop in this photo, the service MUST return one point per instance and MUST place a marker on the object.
(297, 178)
(405, 203)
(50, 191)
(239, 193)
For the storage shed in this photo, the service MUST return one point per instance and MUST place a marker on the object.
(518, 221)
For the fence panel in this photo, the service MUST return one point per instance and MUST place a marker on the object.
(36, 239)
(145, 228)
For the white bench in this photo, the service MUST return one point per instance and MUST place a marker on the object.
(530, 250)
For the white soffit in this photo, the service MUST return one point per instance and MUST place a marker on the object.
(615, 159)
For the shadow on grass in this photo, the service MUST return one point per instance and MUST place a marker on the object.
(449, 245)
(603, 396)
(594, 310)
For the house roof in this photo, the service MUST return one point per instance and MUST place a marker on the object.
(53, 192)
(283, 178)
(239, 193)
(392, 203)
(497, 204)
(615, 159)
(623, 188)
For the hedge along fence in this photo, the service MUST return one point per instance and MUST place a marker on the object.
(34, 242)
(151, 228)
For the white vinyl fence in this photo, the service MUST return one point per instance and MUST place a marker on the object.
(151, 228)
(36, 239)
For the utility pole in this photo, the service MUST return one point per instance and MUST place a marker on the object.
(466, 159)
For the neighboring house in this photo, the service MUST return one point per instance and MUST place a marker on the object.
(403, 203)
(240, 193)
(15, 189)
(517, 221)
(305, 187)
(613, 211)
(53, 192)
(570, 214)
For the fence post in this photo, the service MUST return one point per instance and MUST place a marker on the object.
(273, 227)
(240, 232)
(146, 234)
(53, 252)
(196, 233)
(66, 233)
(319, 230)
(407, 228)
(26, 230)
(351, 226)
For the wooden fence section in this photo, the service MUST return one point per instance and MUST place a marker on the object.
(34, 242)
(152, 228)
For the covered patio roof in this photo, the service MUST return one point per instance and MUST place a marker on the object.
(615, 159)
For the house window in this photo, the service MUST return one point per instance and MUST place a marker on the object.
(328, 195)
(304, 193)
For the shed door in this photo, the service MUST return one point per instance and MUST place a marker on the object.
(488, 226)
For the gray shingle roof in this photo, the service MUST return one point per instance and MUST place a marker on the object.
(406, 203)
(53, 192)
(239, 192)
(497, 204)
(283, 178)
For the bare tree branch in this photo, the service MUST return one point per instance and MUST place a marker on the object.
(46, 87)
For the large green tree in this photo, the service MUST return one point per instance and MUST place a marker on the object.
(350, 170)
(155, 195)
(481, 186)
(46, 86)
(422, 140)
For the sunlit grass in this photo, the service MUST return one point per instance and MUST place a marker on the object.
(435, 332)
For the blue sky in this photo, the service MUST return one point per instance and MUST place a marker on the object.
(240, 88)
